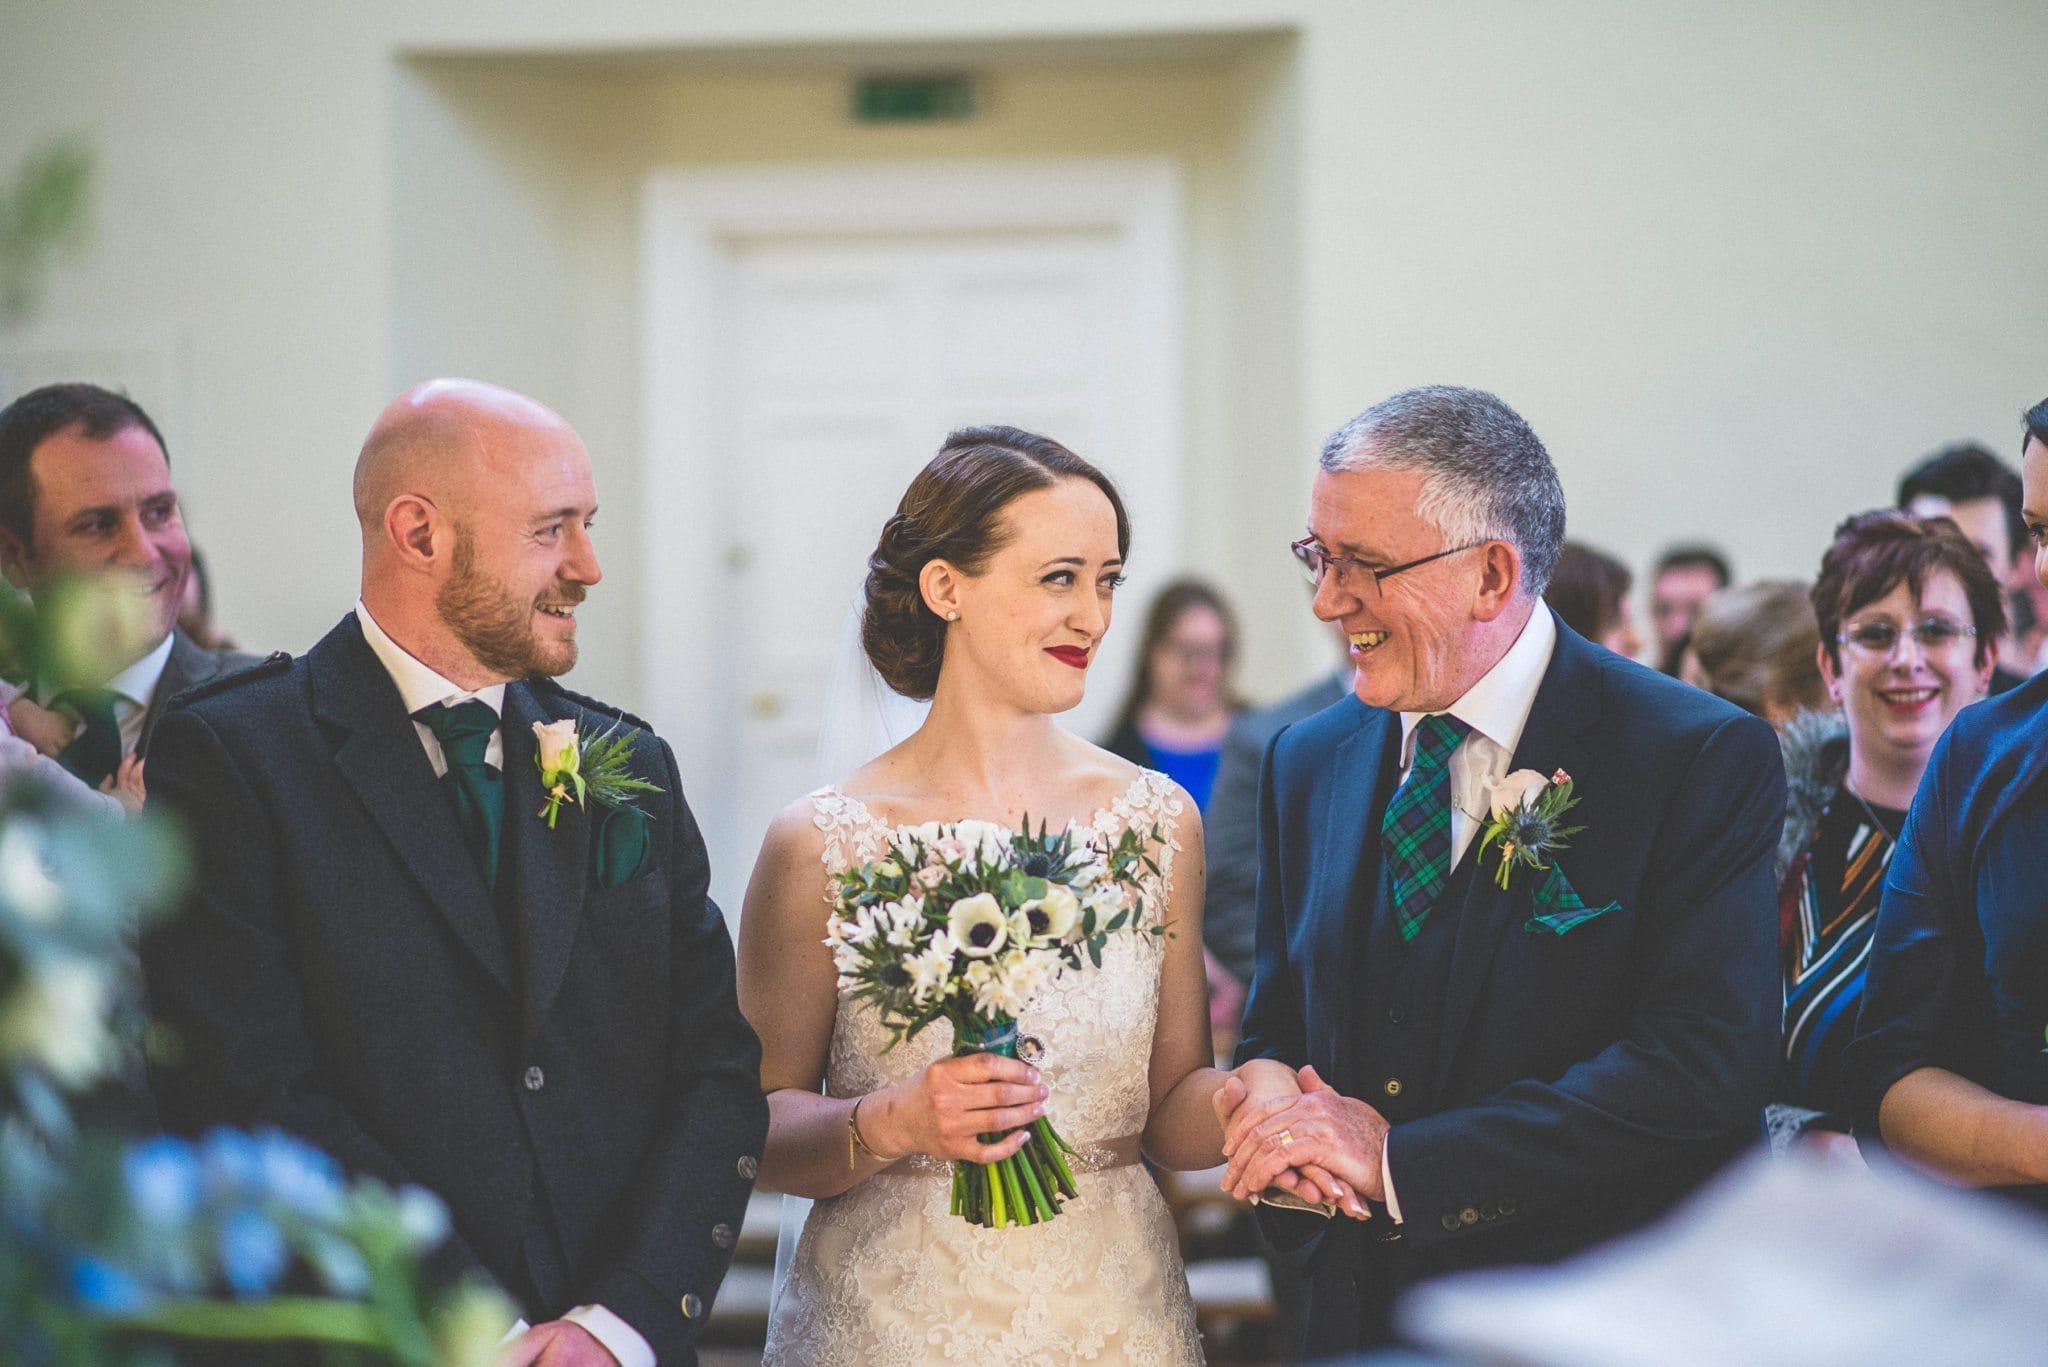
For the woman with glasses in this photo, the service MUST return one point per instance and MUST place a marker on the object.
(1948, 1062)
(1907, 612)
(1180, 704)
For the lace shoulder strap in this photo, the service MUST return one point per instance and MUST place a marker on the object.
(853, 834)
(1152, 801)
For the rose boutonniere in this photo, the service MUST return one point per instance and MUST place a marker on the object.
(579, 771)
(1528, 820)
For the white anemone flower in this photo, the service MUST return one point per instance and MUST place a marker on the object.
(1062, 912)
(978, 925)
(984, 840)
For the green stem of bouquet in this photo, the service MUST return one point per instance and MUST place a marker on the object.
(1027, 1187)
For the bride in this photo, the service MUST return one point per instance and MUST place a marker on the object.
(989, 593)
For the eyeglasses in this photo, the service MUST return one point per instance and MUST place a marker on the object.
(1881, 638)
(1314, 559)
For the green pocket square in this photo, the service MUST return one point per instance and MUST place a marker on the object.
(621, 850)
(1559, 908)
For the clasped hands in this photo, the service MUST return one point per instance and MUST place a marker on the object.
(1296, 1132)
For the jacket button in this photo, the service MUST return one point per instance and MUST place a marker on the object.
(535, 1079)
(749, 1166)
(1450, 1222)
(1468, 1216)
(722, 1235)
(1507, 1205)
(692, 1307)
(1393, 1086)
(1396, 1014)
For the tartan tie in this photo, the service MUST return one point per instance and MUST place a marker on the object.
(476, 789)
(95, 752)
(1417, 827)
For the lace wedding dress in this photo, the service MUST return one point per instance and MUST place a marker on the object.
(884, 1276)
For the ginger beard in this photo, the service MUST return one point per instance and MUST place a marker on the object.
(496, 626)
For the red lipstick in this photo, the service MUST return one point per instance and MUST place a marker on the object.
(1069, 655)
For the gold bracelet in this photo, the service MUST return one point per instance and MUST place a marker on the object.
(856, 1144)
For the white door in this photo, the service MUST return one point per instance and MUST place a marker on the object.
(827, 360)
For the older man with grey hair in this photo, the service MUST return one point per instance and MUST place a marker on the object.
(1517, 926)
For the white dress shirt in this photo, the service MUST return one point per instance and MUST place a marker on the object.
(420, 686)
(1496, 708)
(133, 688)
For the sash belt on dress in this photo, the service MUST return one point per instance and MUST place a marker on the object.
(1101, 1156)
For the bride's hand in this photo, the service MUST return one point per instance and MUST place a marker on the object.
(944, 1110)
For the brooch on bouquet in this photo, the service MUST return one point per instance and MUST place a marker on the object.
(1527, 825)
(965, 922)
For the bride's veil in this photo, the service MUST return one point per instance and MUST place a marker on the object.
(862, 717)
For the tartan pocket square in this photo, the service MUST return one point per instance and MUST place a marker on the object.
(1558, 907)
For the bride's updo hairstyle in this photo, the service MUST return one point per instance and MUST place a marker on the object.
(952, 512)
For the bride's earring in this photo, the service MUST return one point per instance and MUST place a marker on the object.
(952, 616)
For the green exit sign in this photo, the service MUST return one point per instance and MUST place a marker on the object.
(912, 99)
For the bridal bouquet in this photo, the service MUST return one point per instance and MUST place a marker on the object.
(965, 922)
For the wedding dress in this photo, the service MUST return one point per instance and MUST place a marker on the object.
(884, 1276)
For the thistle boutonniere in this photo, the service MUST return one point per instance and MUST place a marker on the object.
(1528, 820)
(579, 771)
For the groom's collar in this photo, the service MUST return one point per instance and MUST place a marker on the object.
(1497, 707)
(419, 685)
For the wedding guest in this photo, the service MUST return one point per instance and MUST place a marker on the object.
(1589, 592)
(1180, 704)
(1908, 613)
(1758, 646)
(85, 493)
(1981, 494)
(1232, 821)
(399, 948)
(1947, 1063)
(1516, 1052)
(1684, 578)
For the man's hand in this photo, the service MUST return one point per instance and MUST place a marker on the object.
(1320, 1129)
(1263, 1088)
(558, 1343)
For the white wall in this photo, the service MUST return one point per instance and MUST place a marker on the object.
(1737, 263)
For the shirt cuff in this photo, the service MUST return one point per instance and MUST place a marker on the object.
(1387, 1183)
(619, 1338)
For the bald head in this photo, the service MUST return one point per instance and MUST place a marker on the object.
(476, 505)
(438, 439)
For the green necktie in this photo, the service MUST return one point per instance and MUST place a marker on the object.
(476, 789)
(95, 752)
(1417, 826)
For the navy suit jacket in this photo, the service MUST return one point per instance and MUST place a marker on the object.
(1958, 975)
(342, 972)
(1584, 1081)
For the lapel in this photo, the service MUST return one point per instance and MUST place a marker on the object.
(1351, 840)
(1567, 706)
(545, 870)
(379, 756)
(186, 665)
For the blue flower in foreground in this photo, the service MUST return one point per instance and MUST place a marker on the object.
(252, 1253)
(299, 1177)
(422, 1218)
(103, 1287)
(231, 1161)
(162, 1176)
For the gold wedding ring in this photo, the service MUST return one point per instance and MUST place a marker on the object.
(1286, 1138)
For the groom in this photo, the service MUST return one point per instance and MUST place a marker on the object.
(390, 953)
(1506, 1075)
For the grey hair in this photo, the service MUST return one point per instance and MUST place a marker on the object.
(1486, 476)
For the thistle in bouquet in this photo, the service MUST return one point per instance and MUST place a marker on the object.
(966, 922)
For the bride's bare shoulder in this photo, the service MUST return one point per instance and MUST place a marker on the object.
(1096, 771)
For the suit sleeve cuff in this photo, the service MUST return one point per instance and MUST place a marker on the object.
(619, 1338)
(1387, 1181)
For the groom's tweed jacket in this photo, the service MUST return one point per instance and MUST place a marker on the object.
(1546, 1090)
(587, 1099)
